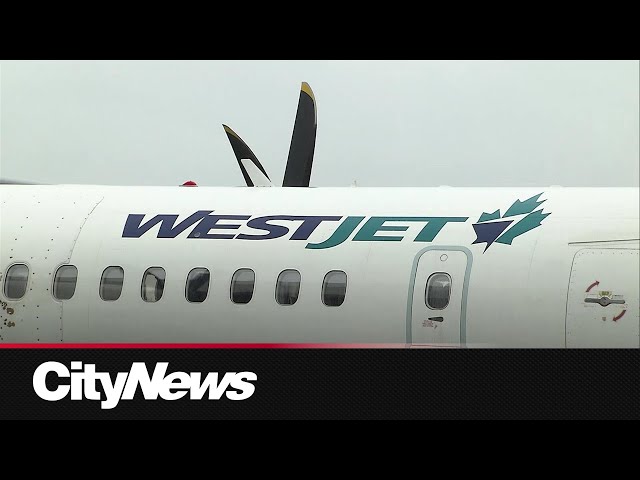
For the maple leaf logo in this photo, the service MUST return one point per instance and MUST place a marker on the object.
(493, 228)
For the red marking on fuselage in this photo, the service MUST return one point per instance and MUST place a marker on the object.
(593, 285)
(618, 317)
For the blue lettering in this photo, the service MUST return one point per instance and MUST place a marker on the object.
(203, 222)
(211, 223)
(134, 229)
(261, 223)
(309, 224)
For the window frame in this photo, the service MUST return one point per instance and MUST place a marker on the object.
(426, 291)
(6, 278)
(75, 283)
(100, 288)
(164, 282)
(278, 283)
(324, 284)
(186, 285)
(253, 286)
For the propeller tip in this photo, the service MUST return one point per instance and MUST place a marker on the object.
(229, 131)
(307, 89)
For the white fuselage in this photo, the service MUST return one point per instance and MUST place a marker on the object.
(527, 290)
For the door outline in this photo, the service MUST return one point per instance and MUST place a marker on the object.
(592, 246)
(465, 288)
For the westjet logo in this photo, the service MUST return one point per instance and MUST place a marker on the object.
(205, 224)
(84, 379)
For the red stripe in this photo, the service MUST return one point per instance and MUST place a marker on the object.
(201, 345)
(618, 317)
(592, 285)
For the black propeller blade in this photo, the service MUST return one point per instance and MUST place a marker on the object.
(242, 151)
(303, 141)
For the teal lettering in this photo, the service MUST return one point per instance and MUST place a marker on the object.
(434, 225)
(376, 224)
(343, 231)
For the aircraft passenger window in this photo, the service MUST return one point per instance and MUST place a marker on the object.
(64, 282)
(197, 285)
(15, 285)
(438, 291)
(153, 284)
(242, 285)
(334, 288)
(111, 283)
(288, 287)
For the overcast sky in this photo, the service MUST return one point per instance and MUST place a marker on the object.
(381, 123)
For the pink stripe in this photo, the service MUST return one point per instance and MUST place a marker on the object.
(200, 345)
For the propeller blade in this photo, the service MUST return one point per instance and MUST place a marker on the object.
(303, 141)
(242, 152)
(257, 177)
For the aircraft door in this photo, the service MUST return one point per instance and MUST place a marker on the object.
(438, 294)
(602, 303)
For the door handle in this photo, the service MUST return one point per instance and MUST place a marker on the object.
(604, 301)
(436, 319)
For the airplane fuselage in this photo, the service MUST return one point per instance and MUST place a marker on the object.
(475, 267)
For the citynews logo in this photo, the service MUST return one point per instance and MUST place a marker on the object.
(83, 382)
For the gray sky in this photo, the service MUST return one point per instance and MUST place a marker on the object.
(382, 123)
